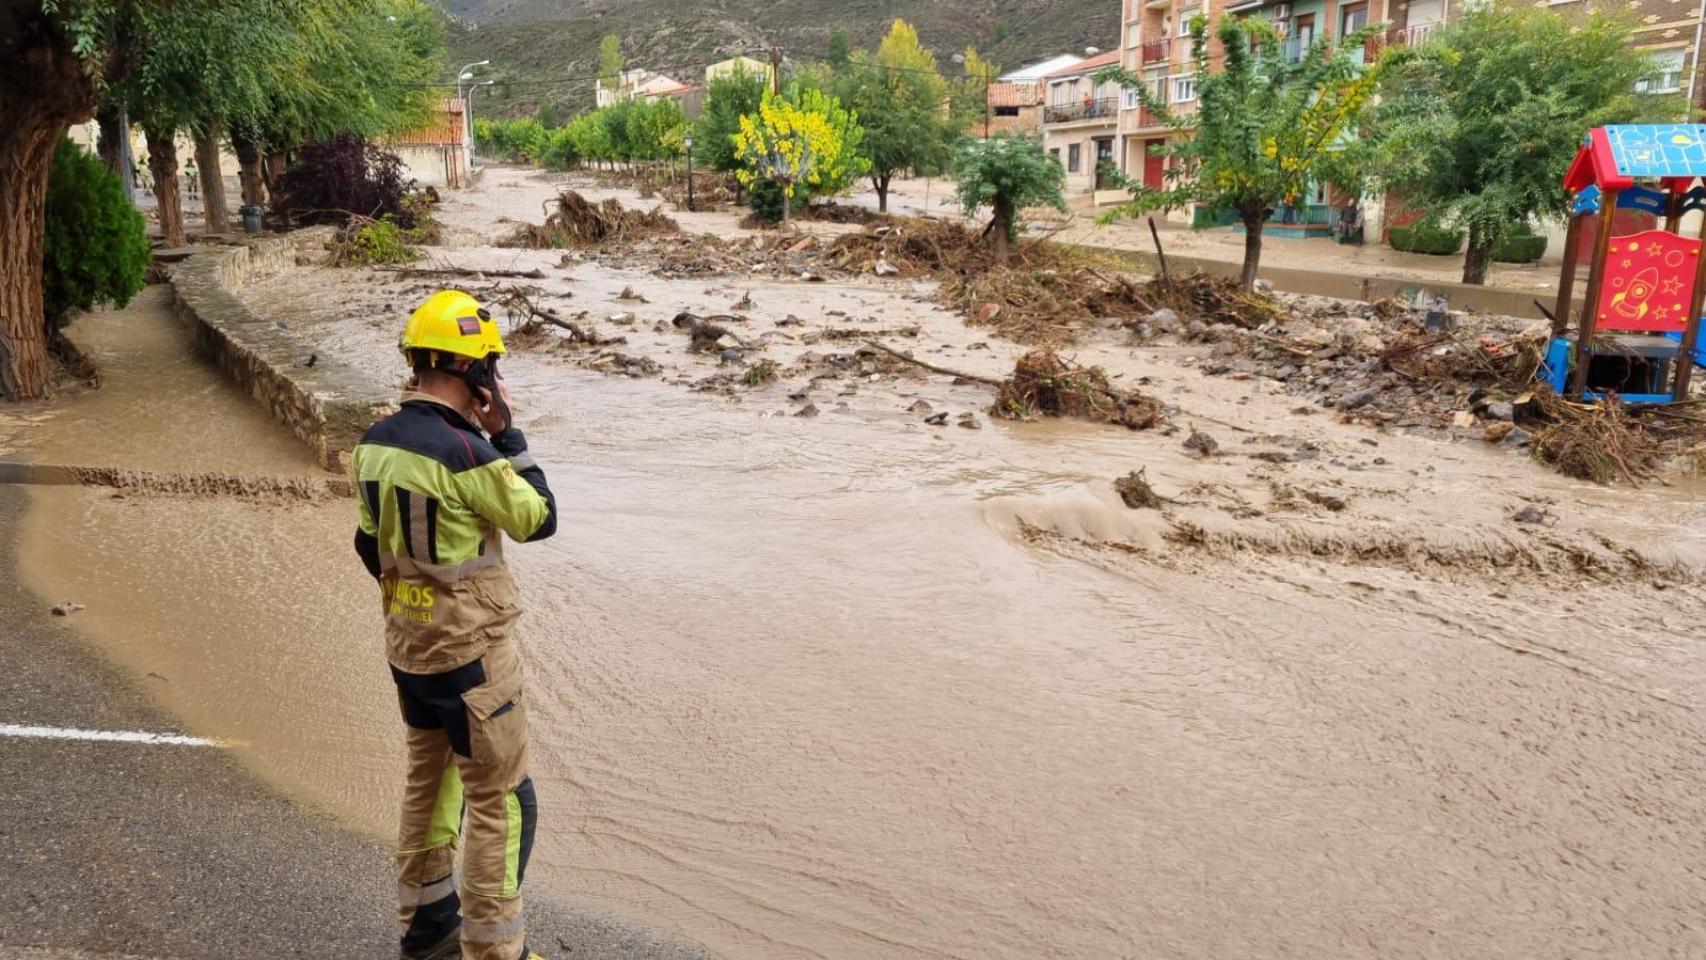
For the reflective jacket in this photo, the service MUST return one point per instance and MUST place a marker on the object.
(436, 498)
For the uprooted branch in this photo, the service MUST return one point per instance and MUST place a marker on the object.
(1045, 384)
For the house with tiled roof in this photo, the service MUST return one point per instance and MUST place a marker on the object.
(1080, 123)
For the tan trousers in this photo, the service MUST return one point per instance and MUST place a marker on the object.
(467, 739)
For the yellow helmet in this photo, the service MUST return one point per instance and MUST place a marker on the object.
(451, 321)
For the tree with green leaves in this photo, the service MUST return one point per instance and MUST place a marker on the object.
(839, 50)
(1007, 174)
(1264, 127)
(805, 140)
(1476, 128)
(971, 93)
(610, 62)
(728, 97)
(901, 98)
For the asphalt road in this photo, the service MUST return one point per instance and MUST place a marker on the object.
(156, 851)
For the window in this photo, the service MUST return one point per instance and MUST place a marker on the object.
(1006, 111)
(1185, 18)
(1054, 154)
(1129, 101)
(1667, 64)
(1072, 158)
(1353, 19)
(1184, 89)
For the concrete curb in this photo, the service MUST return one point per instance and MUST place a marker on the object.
(1511, 302)
(328, 405)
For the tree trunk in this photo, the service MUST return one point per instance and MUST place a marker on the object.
(215, 212)
(882, 185)
(1000, 229)
(110, 150)
(786, 201)
(1476, 259)
(275, 171)
(163, 164)
(1253, 224)
(249, 169)
(43, 90)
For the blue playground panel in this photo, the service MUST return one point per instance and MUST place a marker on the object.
(1555, 369)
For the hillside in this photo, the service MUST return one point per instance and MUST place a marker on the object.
(545, 51)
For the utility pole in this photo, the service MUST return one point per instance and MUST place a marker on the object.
(775, 71)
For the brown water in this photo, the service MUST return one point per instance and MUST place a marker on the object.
(847, 687)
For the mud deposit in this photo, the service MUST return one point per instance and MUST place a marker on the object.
(857, 685)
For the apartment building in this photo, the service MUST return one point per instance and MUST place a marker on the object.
(1015, 99)
(1080, 122)
(1670, 31)
(1155, 46)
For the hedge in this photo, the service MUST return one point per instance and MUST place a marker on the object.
(1425, 238)
(1523, 247)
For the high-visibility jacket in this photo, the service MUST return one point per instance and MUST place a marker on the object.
(436, 498)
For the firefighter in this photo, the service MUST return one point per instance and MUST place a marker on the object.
(440, 482)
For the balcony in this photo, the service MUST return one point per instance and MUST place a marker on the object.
(1411, 36)
(1155, 51)
(1106, 108)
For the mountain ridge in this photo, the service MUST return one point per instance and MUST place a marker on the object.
(546, 51)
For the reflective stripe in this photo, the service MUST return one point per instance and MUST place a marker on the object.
(522, 461)
(420, 547)
(409, 896)
(512, 845)
(446, 573)
(494, 932)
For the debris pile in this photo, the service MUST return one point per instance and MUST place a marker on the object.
(578, 222)
(1606, 441)
(1045, 384)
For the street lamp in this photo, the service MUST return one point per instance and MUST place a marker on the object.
(688, 141)
(468, 114)
(467, 73)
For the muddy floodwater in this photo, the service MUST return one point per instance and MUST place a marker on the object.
(855, 686)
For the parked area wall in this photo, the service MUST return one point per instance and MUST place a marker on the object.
(325, 403)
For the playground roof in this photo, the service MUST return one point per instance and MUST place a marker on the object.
(1614, 157)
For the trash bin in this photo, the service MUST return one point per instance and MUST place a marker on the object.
(251, 218)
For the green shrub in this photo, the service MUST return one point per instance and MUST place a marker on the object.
(95, 244)
(562, 150)
(765, 199)
(1522, 246)
(1422, 237)
(377, 241)
(514, 141)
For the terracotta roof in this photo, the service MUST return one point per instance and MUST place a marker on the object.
(1015, 94)
(445, 128)
(1097, 62)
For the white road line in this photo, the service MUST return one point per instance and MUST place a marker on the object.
(109, 736)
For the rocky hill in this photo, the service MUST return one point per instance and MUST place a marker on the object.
(546, 51)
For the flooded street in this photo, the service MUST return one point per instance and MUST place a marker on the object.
(853, 686)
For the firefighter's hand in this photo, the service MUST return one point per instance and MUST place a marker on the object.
(494, 417)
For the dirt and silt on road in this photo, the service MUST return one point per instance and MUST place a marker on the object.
(854, 684)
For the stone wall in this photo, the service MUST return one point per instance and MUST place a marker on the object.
(327, 405)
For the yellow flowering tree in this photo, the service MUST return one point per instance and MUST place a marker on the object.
(1266, 125)
(804, 142)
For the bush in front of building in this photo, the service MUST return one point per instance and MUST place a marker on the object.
(1424, 237)
(334, 180)
(1521, 245)
(95, 243)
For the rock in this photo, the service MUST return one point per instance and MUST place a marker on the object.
(1225, 348)
(1359, 399)
(731, 355)
(921, 407)
(1164, 319)
(1501, 411)
(728, 342)
(937, 419)
(66, 608)
(809, 410)
(1195, 329)
(883, 268)
(1497, 431)
(1517, 437)
(1314, 337)
(1202, 444)
(1368, 343)
(1463, 418)
(800, 394)
(622, 319)
(970, 422)
(1532, 514)
(1263, 286)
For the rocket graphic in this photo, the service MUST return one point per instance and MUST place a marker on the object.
(1631, 304)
